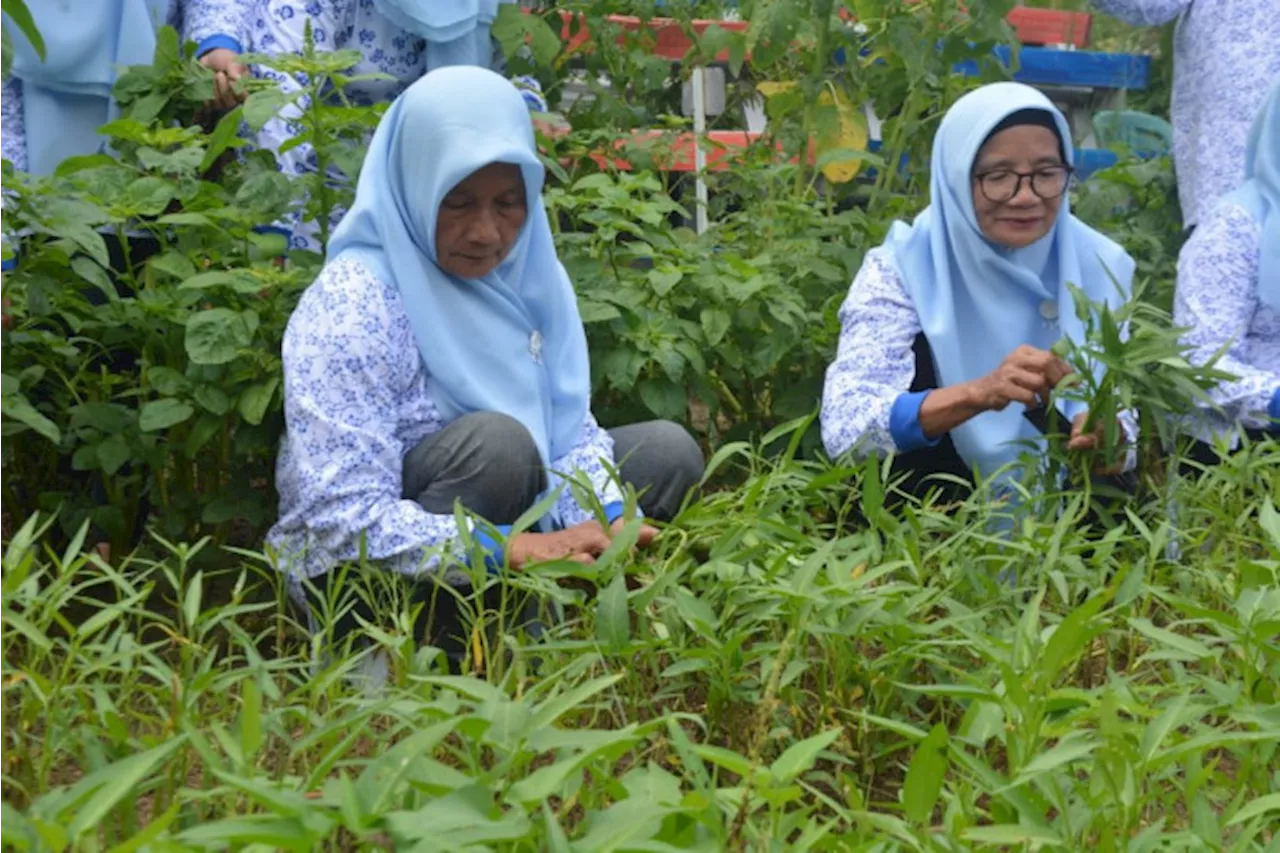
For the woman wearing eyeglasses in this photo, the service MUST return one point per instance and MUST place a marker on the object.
(946, 332)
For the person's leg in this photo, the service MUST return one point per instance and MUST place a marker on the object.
(489, 463)
(662, 461)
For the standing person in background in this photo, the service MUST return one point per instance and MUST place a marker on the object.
(1228, 295)
(52, 108)
(402, 39)
(1226, 55)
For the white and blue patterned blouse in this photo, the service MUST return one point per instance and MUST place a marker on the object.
(1217, 301)
(867, 404)
(356, 402)
(1226, 58)
(209, 23)
(278, 26)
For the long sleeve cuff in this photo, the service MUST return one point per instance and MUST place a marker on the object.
(904, 423)
(494, 549)
(217, 41)
(614, 511)
(531, 90)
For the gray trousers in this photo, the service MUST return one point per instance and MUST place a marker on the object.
(489, 462)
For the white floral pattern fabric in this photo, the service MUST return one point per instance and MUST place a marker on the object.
(356, 402)
(279, 26)
(874, 360)
(875, 364)
(1226, 59)
(1217, 302)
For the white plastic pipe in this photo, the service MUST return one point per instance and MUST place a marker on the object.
(699, 83)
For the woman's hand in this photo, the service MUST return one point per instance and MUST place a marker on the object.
(583, 543)
(1081, 441)
(1027, 375)
(646, 532)
(226, 72)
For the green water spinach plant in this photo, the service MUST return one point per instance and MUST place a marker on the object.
(1132, 359)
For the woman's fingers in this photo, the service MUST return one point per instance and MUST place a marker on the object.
(1009, 391)
(646, 536)
(1031, 380)
(224, 96)
(588, 537)
(642, 539)
(1078, 439)
(1060, 370)
(1088, 441)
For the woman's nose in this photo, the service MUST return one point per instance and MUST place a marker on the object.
(483, 228)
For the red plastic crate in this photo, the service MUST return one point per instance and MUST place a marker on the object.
(1050, 26)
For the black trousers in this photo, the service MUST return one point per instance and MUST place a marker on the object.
(919, 469)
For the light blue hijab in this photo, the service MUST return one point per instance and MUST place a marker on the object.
(67, 97)
(1260, 194)
(457, 31)
(477, 337)
(978, 301)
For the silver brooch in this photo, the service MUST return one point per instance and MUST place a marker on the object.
(535, 346)
(1049, 311)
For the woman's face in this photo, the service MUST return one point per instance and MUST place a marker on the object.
(480, 220)
(1017, 219)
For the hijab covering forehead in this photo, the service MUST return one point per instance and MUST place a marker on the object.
(1260, 194)
(978, 301)
(456, 31)
(66, 96)
(511, 342)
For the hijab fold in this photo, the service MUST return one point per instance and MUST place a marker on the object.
(67, 96)
(456, 31)
(1260, 194)
(513, 341)
(978, 301)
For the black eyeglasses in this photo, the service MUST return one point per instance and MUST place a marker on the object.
(1001, 185)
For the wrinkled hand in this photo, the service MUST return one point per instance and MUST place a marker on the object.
(226, 73)
(646, 532)
(1027, 375)
(1080, 441)
(582, 543)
